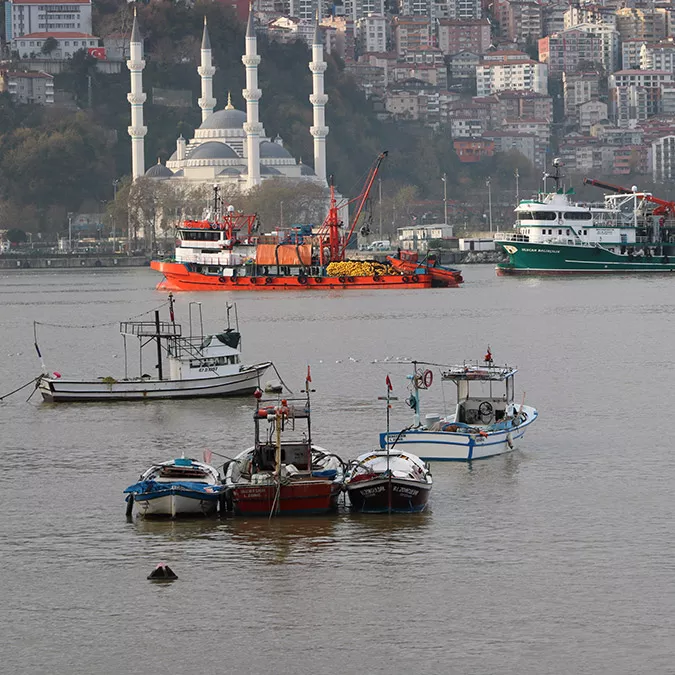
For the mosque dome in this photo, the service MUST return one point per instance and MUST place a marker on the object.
(214, 150)
(269, 150)
(230, 118)
(306, 170)
(158, 171)
(230, 171)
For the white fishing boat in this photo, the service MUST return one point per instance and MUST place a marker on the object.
(486, 421)
(187, 367)
(179, 487)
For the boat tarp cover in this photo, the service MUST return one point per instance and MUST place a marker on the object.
(283, 254)
(230, 338)
(147, 486)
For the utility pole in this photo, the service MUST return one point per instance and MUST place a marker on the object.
(70, 233)
(517, 191)
(281, 214)
(487, 182)
(112, 214)
(444, 178)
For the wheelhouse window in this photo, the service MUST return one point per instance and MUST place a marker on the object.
(544, 215)
(578, 215)
(199, 235)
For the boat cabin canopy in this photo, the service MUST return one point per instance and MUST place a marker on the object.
(480, 398)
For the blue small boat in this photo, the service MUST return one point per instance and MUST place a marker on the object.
(178, 487)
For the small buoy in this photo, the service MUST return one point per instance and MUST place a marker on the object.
(339, 361)
(162, 573)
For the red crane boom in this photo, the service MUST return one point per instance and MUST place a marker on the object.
(331, 226)
(664, 207)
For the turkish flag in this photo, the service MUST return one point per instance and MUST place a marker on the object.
(97, 53)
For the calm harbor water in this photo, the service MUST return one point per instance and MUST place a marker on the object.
(553, 559)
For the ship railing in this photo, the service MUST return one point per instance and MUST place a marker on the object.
(141, 329)
(191, 346)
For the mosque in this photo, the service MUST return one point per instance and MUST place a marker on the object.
(230, 147)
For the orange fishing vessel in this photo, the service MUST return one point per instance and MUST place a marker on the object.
(226, 252)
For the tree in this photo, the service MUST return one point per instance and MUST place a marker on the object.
(16, 236)
(49, 45)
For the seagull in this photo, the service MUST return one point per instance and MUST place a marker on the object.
(339, 361)
(375, 361)
(353, 360)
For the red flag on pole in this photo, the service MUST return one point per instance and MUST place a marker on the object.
(309, 375)
(389, 387)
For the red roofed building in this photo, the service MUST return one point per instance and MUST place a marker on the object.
(23, 17)
(470, 150)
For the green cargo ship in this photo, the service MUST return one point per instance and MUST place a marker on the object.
(630, 232)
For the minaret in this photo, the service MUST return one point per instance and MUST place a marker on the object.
(136, 98)
(318, 100)
(206, 71)
(252, 94)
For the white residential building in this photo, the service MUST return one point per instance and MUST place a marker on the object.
(30, 46)
(663, 158)
(371, 34)
(608, 57)
(513, 75)
(23, 17)
(660, 56)
(357, 9)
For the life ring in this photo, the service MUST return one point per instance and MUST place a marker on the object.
(414, 278)
(222, 280)
(302, 279)
(342, 280)
(319, 280)
(254, 280)
(269, 280)
(351, 279)
(214, 226)
(427, 378)
(406, 279)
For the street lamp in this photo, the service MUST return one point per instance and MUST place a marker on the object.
(70, 233)
(487, 183)
(281, 214)
(444, 178)
(517, 191)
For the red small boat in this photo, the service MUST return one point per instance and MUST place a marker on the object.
(407, 262)
(284, 473)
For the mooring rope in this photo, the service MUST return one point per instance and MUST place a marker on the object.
(98, 325)
(34, 380)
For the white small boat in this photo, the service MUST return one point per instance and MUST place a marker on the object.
(179, 487)
(198, 366)
(486, 421)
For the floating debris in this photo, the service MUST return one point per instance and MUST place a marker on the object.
(162, 573)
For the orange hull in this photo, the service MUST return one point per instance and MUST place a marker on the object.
(178, 278)
(440, 275)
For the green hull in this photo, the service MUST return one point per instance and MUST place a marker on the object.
(543, 258)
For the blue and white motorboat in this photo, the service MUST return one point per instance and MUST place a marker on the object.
(486, 421)
(178, 487)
